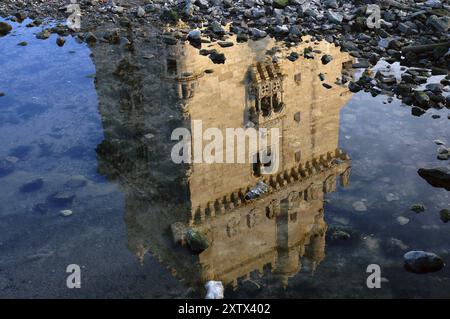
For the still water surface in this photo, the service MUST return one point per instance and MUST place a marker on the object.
(91, 128)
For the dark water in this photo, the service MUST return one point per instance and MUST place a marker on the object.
(105, 142)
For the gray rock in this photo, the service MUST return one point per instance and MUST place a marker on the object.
(418, 208)
(441, 24)
(354, 87)
(422, 99)
(330, 4)
(334, 17)
(437, 177)
(257, 33)
(443, 154)
(44, 34)
(326, 59)
(422, 262)
(197, 241)
(62, 198)
(341, 235)
(140, 12)
(195, 35)
(5, 28)
(60, 41)
(217, 58)
(445, 215)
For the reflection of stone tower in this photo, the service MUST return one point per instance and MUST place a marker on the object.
(274, 231)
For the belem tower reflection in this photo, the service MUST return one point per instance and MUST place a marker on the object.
(176, 85)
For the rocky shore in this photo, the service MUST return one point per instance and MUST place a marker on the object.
(414, 33)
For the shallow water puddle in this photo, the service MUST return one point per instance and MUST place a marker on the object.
(100, 147)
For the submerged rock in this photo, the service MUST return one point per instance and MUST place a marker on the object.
(196, 241)
(402, 220)
(66, 212)
(217, 58)
(422, 262)
(445, 215)
(44, 34)
(341, 235)
(60, 41)
(32, 186)
(5, 28)
(62, 198)
(443, 154)
(418, 208)
(437, 177)
(326, 59)
(6, 167)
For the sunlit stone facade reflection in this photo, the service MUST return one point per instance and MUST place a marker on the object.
(174, 86)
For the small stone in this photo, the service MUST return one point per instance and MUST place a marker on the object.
(60, 41)
(66, 212)
(422, 262)
(341, 235)
(391, 197)
(62, 198)
(443, 154)
(217, 58)
(118, 9)
(5, 28)
(417, 111)
(76, 182)
(226, 44)
(326, 85)
(441, 24)
(197, 241)
(280, 4)
(354, 87)
(90, 38)
(195, 35)
(140, 12)
(418, 208)
(217, 28)
(257, 33)
(23, 43)
(359, 206)
(44, 34)
(437, 177)
(439, 142)
(334, 17)
(326, 59)
(293, 56)
(241, 37)
(445, 215)
(402, 220)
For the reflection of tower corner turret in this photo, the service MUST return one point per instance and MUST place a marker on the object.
(176, 86)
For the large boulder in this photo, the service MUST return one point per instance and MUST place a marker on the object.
(437, 177)
(421, 262)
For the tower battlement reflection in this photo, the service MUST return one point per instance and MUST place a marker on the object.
(176, 86)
